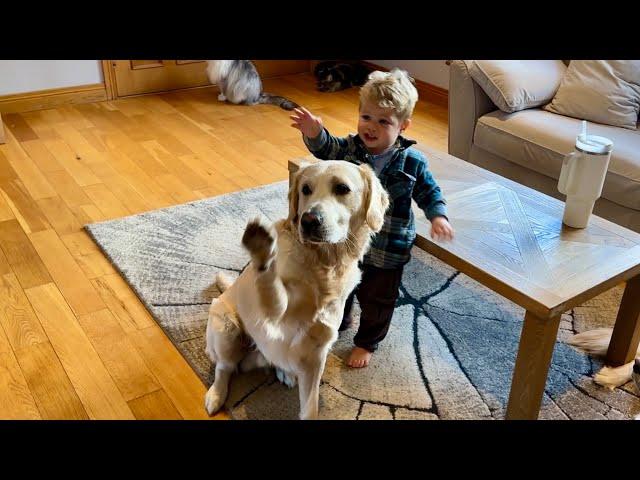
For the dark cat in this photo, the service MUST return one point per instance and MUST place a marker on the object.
(240, 83)
(333, 75)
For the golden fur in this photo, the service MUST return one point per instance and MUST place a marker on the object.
(596, 342)
(290, 298)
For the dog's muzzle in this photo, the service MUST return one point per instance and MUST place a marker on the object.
(312, 226)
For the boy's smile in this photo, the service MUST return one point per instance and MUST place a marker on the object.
(379, 127)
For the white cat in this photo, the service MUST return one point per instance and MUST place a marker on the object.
(240, 83)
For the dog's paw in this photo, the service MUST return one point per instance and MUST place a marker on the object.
(221, 97)
(289, 379)
(260, 240)
(213, 401)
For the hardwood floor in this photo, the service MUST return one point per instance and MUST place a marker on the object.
(75, 341)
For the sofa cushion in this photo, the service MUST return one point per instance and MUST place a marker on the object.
(515, 85)
(539, 140)
(603, 91)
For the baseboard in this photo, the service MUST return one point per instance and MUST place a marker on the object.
(52, 98)
(430, 93)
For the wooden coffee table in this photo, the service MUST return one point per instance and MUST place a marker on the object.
(511, 239)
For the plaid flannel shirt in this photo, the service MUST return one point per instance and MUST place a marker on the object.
(406, 176)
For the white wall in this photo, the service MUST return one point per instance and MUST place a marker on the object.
(18, 76)
(435, 72)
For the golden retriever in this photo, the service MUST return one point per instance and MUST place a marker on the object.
(290, 299)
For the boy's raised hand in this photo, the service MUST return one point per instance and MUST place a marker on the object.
(310, 125)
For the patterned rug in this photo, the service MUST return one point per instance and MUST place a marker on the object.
(449, 353)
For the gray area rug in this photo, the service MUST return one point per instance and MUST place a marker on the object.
(449, 353)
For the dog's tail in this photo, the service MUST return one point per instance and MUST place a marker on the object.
(223, 281)
(277, 100)
(594, 342)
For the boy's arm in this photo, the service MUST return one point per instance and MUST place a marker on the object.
(327, 147)
(428, 195)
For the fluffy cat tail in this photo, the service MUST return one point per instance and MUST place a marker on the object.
(277, 100)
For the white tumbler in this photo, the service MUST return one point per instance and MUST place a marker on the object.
(582, 177)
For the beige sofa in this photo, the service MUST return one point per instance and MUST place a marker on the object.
(528, 146)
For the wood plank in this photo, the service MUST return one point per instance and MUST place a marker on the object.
(91, 380)
(23, 258)
(118, 354)
(106, 201)
(42, 158)
(123, 302)
(23, 207)
(5, 212)
(53, 392)
(66, 273)
(5, 268)
(28, 172)
(18, 319)
(181, 384)
(67, 188)
(87, 255)
(60, 217)
(16, 400)
(154, 406)
(18, 127)
(71, 162)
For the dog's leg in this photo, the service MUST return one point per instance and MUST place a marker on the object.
(261, 242)
(309, 385)
(223, 343)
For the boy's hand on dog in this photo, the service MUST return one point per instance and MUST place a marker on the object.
(441, 229)
(310, 125)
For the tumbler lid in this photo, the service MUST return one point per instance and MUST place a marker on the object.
(592, 143)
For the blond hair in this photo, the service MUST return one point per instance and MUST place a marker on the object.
(392, 89)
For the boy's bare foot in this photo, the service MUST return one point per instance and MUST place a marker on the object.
(359, 358)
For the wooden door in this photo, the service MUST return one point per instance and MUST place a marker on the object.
(135, 77)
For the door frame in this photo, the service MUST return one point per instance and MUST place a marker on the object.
(109, 77)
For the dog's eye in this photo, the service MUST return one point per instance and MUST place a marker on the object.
(306, 190)
(342, 189)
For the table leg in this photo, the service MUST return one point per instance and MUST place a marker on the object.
(623, 346)
(532, 365)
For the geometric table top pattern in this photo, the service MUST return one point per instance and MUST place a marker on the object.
(512, 239)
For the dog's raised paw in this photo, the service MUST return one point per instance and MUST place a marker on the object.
(259, 240)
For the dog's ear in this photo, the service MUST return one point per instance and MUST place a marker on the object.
(376, 199)
(293, 195)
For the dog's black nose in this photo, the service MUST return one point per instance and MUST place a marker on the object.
(310, 221)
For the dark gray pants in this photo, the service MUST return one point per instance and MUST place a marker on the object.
(377, 293)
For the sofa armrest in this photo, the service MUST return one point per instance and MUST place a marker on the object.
(467, 103)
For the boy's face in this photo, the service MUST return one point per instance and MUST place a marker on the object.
(379, 127)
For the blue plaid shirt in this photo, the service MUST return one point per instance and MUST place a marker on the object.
(405, 176)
